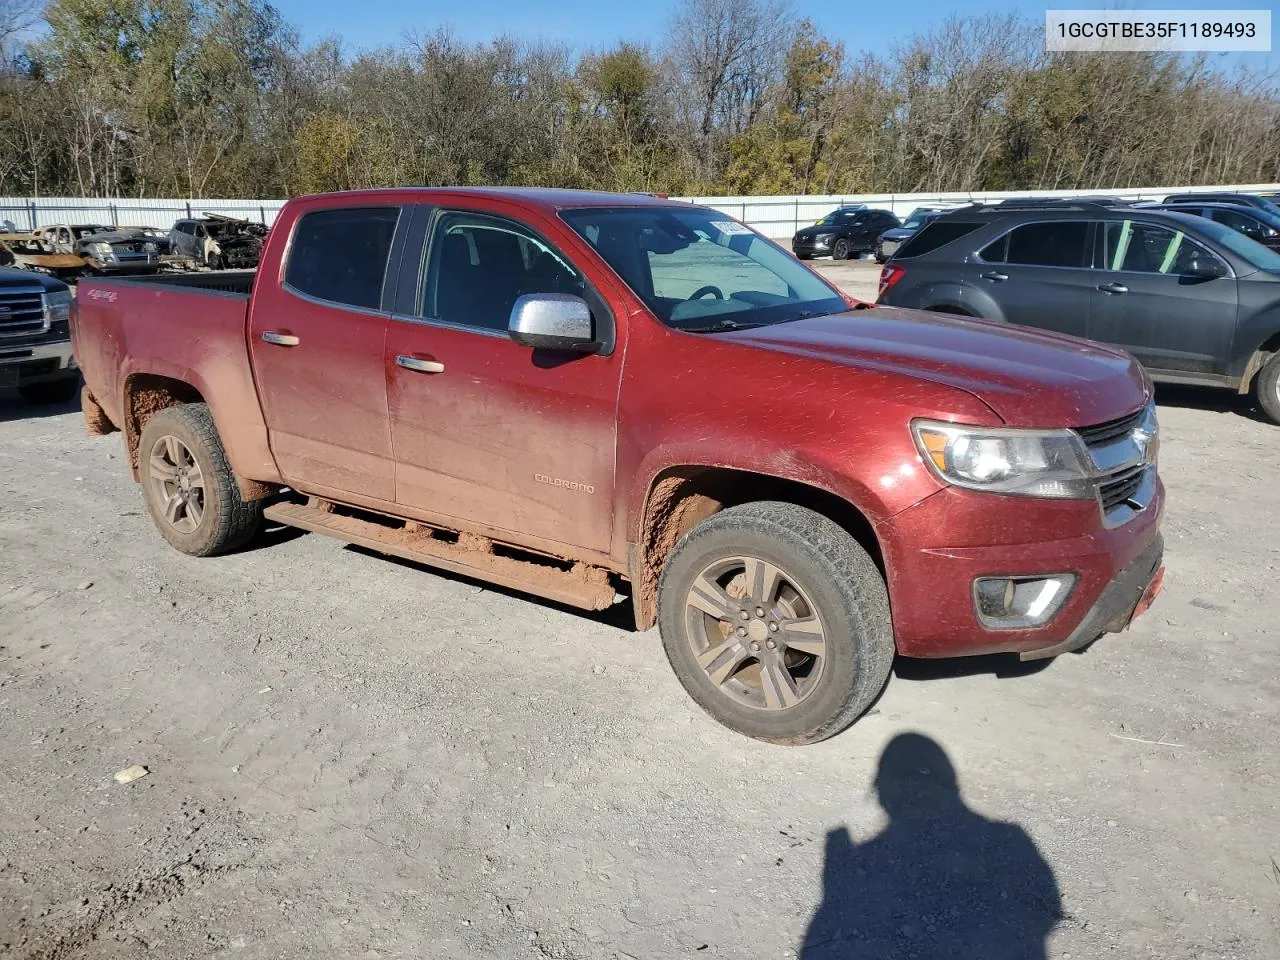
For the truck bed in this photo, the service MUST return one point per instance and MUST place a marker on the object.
(174, 329)
(238, 283)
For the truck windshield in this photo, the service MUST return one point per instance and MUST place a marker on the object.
(701, 272)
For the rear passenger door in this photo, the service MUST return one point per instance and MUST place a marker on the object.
(514, 440)
(316, 341)
(1147, 300)
(1037, 275)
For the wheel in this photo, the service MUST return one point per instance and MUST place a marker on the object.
(1266, 387)
(50, 391)
(190, 492)
(776, 621)
(214, 261)
(841, 250)
(880, 257)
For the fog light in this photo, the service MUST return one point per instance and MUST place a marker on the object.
(1013, 603)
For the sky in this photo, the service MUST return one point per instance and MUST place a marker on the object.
(598, 24)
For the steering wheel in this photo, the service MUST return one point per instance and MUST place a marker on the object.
(703, 291)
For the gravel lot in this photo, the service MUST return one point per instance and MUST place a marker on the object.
(353, 757)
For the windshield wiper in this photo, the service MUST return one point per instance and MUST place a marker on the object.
(721, 326)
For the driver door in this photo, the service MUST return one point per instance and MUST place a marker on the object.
(509, 438)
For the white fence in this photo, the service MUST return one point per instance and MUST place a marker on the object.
(776, 217)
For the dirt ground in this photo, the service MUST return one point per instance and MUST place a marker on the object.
(353, 757)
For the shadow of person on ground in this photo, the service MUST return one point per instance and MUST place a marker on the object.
(939, 881)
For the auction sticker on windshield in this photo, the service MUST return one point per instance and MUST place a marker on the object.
(729, 227)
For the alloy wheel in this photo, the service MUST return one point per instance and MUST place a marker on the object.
(176, 484)
(755, 633)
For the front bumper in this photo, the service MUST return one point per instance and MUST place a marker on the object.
(934, 551)
(32, 363)
(1117, 605)
(138, 264)
(811, 248)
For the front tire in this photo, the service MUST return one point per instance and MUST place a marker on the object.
(190, 490)
(1266, 388)
(776, 622)
(841, 250)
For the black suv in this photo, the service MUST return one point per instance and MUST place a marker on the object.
(1243, 199)
(35, 345)
(843, 233)
(1192, 299)
(1254, 222)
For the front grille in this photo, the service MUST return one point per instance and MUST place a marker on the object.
(1122, 451)
(1111, 430)
(21, 311)
(1120, 488)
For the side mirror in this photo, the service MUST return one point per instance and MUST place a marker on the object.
(1206, 268)
(552, 321)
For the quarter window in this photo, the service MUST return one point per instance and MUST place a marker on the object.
(341, 255)
(478, 266)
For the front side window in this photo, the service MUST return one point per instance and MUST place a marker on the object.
(1241, 223)
(341, 255)
(1136, 247)
(479, 265)
(696, 270)
(1053, 243)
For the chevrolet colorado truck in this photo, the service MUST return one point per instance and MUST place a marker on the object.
(35, 344)
(566, 392)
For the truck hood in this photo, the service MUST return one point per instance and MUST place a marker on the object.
(1029, 378)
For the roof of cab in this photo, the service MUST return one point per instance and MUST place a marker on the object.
(554, 198)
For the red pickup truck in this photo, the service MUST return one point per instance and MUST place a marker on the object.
(566, 392)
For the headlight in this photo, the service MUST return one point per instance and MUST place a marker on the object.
(57, 306)
(102, 250)
(1028, 463)
(149, 247)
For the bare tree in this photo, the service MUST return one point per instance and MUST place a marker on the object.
(724, 54)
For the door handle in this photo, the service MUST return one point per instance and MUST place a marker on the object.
(995, 276)
(280, 339)
(418, 365)
(1113, 288)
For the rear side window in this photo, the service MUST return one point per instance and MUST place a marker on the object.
(341, 255)
(1055, 243)
(934, 235)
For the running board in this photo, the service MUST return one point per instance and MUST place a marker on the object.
(582, 585)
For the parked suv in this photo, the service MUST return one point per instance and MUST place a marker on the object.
(1192, 299)
(1243, 199)
(1254, 222)
(35, 344)
(843, 234)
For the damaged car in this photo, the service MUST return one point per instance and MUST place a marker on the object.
(218, 242)
(26, 251)
(104, 249)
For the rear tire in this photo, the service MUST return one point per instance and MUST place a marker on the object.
(50, 391)
(776, 621)
(187, 482)
(1266, 388)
